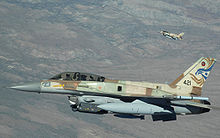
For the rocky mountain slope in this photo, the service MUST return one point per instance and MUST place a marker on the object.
(119, 39)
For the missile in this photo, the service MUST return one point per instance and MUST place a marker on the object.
(192, 98)
(134, 108)
(185, 97)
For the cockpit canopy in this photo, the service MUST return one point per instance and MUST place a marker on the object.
(78, 76)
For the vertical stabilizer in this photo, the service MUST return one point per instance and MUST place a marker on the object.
(196, 75)
(180, 36)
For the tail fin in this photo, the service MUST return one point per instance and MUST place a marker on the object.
(196, 75)
(180, 36)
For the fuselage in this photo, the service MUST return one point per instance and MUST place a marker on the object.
(97, 94)
(115, 87)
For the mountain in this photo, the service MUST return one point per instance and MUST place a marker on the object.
(118, 39)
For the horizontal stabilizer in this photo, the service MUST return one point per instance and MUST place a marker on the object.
(190, 103)
(199, 105)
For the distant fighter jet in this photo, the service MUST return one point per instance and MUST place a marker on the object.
(96, 94)
(172, 36)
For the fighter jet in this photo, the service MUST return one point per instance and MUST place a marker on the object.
(92, 93)
(172, 35)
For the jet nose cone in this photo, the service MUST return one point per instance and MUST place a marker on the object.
(31, 87)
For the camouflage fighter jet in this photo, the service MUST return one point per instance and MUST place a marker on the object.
(96, 94)
(172, 36)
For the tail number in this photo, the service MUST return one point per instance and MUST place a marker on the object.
(187, 82)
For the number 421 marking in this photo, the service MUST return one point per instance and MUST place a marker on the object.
(187, 82)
